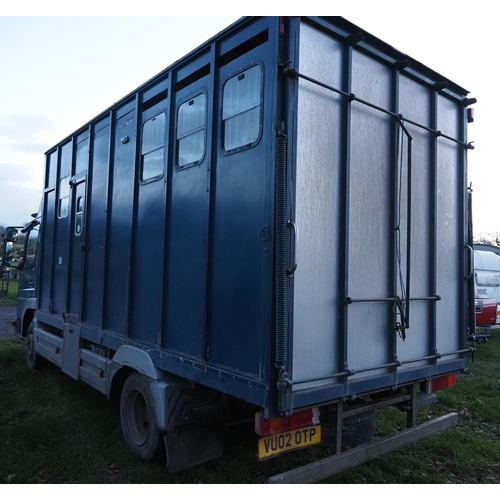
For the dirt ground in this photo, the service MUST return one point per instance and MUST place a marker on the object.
(7, 314)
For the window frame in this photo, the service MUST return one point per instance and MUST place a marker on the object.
(232, 75)
(199, 162)
(65, 180)
(163, 146)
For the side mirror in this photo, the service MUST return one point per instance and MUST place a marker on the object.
(10, 234)
(8, 255)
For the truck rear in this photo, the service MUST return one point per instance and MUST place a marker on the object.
(277, 223)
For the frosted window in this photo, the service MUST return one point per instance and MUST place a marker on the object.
(153, 143)
(191, 124)
(241, 109)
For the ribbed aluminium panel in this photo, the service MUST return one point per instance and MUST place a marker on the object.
(393, 168)
(317, 209)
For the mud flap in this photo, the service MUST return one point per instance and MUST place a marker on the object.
(193, 445)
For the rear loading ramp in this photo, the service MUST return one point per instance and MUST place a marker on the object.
(379, 295)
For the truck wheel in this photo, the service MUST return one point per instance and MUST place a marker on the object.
(138, 419)
(33, 360)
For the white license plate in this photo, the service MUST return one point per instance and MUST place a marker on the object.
(290, 440)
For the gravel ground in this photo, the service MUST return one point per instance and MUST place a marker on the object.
(7, 314)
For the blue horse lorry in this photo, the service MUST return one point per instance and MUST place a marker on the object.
(276, 225)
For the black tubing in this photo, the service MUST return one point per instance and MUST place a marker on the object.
(281, 254)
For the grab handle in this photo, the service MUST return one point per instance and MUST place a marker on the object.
(471, 261)
(291, 224)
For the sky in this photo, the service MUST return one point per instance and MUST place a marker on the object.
(60, 67)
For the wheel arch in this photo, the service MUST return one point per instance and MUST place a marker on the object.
(137, 360)
(28, 316)
(126, 360)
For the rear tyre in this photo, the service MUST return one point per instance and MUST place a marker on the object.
(138, 419)
(33, 359)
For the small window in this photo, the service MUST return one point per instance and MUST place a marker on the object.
(241, 109)
(153, 144)
(191, 124)
(63, 197)
(50, 181)
(82, 156)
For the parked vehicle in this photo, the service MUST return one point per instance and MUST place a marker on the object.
(486, 312)
(486, 317)
(487, 276)
(169, 268)
(487, 247)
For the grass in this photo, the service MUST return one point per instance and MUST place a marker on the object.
(54, 429)
(11, 298)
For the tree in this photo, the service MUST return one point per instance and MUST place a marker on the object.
(488, 238)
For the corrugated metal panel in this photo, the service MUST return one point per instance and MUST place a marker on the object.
(356, 334)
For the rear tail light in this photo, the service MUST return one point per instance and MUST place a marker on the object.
(269, 426)
(443, 382)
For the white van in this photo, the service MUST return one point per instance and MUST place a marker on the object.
(487, 276)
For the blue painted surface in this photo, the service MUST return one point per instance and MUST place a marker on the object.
(95, 231)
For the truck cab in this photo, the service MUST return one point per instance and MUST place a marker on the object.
(20, 252)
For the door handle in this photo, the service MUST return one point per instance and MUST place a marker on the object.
(291, 224)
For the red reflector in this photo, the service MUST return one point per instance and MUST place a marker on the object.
(270, 426)
(56, 350)
(13, 322)
(100, 373)
(444, 382)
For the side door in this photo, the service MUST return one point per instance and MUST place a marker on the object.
(77, 237)
(189, 212)
(148, 254)
(242, 246)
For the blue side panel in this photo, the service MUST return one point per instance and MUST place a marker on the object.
(77, 223)
(119, 239)
(62, 224)
(77, 238)
(149, 246)
(188, 240)
(187, 262)
(96, 227)
(241, 301)
(177, 249)
(47, 252)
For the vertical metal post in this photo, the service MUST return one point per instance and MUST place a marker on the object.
(394, 190)
(432, 343)
(408, 234)
(466, 321)
(344, 212)
(107, 224)
(338, 429)
(411, 415)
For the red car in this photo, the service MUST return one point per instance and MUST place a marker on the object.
(486, 316)
(486, 312)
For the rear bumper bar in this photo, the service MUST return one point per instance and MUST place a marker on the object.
(337, 463)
